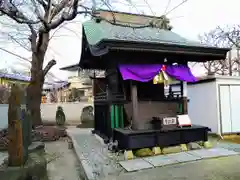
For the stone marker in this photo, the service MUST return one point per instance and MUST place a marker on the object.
(15, 147)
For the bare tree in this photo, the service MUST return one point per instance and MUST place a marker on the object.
(222, 37)
(40, 17)
(232, 35)
(36, 19)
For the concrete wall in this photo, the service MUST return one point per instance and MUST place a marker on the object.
(3, 115)
(203, 105)
(228, 98)
(72, 111)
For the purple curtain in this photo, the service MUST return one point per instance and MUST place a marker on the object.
(181, 72)
(145, 73)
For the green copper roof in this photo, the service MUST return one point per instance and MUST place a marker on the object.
(95, 32)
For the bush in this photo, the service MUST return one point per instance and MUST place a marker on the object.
(60, 116)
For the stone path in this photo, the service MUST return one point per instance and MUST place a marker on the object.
(94, 156)
(169, 159)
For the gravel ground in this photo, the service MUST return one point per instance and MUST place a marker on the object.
(63, 163)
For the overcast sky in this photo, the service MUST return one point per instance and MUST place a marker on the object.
(189, 20)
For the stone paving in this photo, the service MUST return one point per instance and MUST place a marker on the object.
(97, 161)
(230, 146)
(169, 159)
(226, 168)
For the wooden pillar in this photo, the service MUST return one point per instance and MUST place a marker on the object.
(94, 87)
(134, 105)
(181, 87)
(185, 100)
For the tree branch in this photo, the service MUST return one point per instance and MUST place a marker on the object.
(43, 3)
(66, 16)
(39, 16)
(48, 67)
(33, 41)
(229, 37)
(58, 8)
(14, 13)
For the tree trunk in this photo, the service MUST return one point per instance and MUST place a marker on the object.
(230, 63)
(34, 90)
(35, 94)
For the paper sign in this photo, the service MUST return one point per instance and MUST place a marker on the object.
(184, 120)
(169, 120)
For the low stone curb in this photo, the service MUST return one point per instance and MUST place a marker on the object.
(35, 146)
(85, 167)
(99, 139)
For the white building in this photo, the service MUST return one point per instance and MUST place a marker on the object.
(215, 103)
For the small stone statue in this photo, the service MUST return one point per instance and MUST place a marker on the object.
(60, 116)
(87, 114)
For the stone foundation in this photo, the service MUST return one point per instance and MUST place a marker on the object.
(35, 167)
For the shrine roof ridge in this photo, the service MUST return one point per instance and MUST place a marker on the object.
(98, 32)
